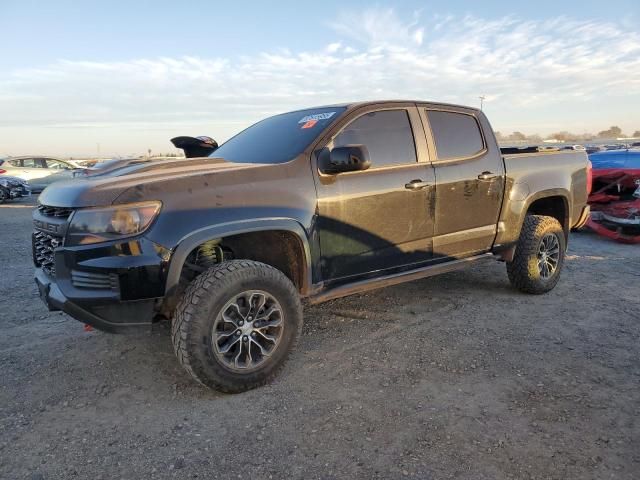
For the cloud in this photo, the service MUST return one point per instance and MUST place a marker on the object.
(520, 65)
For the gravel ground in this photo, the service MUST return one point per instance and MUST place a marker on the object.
(457, 376)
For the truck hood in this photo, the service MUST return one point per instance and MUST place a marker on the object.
(101, 191)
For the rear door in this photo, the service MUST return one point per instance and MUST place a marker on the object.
(380, 218)
(469, 172)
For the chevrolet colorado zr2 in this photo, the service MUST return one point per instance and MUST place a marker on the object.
(307, 205)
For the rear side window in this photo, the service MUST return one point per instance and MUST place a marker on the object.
(456, 135)
(386, 134)
(32, 163)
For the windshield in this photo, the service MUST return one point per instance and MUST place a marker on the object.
(278, 139)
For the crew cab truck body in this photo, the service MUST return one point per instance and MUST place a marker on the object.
(313, 204)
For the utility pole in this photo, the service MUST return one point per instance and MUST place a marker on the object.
(481, 97)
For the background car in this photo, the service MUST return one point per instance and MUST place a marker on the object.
(107, 166)
(39, 171)
(13, 187)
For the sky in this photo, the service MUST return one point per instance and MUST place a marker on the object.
(121, 77)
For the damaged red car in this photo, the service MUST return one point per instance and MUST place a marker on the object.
(615, 196)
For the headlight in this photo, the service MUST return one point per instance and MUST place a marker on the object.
(93, 225)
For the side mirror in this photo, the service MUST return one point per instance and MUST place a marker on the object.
(350, 158)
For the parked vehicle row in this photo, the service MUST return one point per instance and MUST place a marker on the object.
(39, 171)
(43, 171)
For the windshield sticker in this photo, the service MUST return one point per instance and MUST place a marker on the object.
(316, 117)
(309, 124)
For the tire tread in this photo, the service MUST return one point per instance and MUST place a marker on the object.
(186, 314)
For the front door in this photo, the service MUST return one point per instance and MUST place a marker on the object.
(380, 218)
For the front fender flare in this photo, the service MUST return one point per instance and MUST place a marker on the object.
(191, 241)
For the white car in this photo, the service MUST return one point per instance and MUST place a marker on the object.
(39, 171)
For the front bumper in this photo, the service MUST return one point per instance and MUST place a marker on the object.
(115, 286)
(55, 300)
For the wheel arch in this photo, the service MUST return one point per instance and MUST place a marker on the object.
(238, 228)
(551, 203)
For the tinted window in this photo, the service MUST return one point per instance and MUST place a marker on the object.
(386, 134)
(278, 139)
(456, 135)
(32, 163)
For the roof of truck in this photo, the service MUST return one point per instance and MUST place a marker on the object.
(351, 105)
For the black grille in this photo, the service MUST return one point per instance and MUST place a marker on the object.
(59, 212)
(100, 281)
(43, 246)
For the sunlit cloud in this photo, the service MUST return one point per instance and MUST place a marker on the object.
(374, 54)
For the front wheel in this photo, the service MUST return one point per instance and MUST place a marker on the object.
(539, 255)
(236, 325)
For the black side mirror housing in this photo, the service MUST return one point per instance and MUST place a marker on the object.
(350, 158)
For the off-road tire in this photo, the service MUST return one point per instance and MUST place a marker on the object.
(523, 271)
(3, 196)
(192, 325)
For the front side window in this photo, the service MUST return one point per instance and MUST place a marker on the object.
(457, 135)
(387, 135)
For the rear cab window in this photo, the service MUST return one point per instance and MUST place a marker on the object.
(387, 134)
(456, 135)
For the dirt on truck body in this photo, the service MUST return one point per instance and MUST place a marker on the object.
(313, 204)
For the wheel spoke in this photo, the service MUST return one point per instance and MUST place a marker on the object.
(228, 319)
(226, 334)
(247, 346)
(270, 311)
(263, 352)
(270, 338)
(237, 357)
(229, 346)
(256, 303)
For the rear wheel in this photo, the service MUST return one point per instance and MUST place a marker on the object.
(236, 325)
(3, 195)
(539, 255)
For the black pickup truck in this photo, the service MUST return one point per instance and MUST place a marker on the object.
(313, 204)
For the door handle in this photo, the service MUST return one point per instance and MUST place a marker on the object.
(416, 184)
(486, 176)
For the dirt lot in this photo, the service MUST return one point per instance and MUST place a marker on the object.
(457, 376)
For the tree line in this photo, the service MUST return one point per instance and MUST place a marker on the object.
(564, 136)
